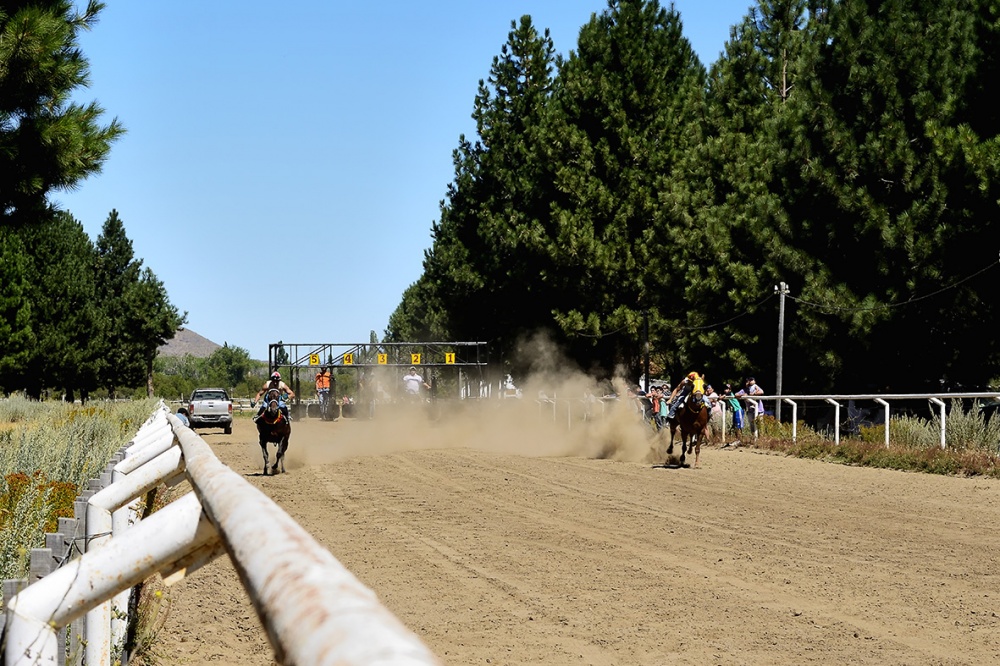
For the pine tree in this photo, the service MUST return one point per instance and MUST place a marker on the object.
(626, 107)
(484, 259)
(47, 142)
(65, 314)
(17, 337)
(728, 235)
(154, 320)
(136, 315)
(890, 182)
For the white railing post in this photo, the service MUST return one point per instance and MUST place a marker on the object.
(836, 420)
(885, 405)
(795, 418)
(287, 578)
(940, 404)
(36, 613)
(103, 512)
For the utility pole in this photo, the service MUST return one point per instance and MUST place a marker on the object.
(782, 291)
(645, 347)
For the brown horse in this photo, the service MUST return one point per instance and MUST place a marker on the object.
(692, 419)
(273, 427)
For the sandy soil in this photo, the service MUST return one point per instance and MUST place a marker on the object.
(505, 540)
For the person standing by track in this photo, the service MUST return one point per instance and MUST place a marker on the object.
(323, 378)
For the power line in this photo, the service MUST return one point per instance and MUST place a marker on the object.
(603, 335)
(731, 319)
(750, 310)
(887, 306)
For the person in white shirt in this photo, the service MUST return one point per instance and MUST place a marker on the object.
(413, 381)
(755, 408)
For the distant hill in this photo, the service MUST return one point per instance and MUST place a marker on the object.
(186, 341)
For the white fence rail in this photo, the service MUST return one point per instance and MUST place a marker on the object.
(313, 610)
(936, 399)
(577, 409)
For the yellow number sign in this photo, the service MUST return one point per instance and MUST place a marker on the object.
(313, 359)
(348, 359)
(449, 357)
(383, 359)
(415, 359)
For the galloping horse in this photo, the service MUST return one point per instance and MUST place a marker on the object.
(692, 418)
(273, 427)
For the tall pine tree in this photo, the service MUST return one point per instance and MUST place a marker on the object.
(484, 261)
(46, 141)
(626, 107)
(66, 352)
(136, 316)
(890, 185)
(728, 231)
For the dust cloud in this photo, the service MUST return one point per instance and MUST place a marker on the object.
(559, 412)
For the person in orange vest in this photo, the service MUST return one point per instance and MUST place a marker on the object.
(323, 378)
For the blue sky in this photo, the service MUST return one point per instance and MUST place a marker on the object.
(284, 163)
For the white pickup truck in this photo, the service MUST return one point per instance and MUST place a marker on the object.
(211, 408)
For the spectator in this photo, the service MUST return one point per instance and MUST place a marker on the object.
(642, 403)
(323, 378)
(664, 407)
(715, 415)
(754, 408)
(182, 414)
(738, 416)
(413, 381)
(655, 399)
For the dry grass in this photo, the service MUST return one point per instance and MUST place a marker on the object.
(972, 444)
(48, 450)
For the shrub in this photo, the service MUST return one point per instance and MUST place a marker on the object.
(50, 451)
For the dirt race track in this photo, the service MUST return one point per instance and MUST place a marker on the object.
(512, 543)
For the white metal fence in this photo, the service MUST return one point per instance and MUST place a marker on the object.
(577, 409)
(314, 611)
(936, 399)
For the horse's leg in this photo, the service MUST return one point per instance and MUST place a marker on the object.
(263, 450)
(684, 438)
(279, 451)
(282, 448)
(673, 429)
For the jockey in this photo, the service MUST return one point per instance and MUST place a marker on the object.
(274, 383)
(683, 389)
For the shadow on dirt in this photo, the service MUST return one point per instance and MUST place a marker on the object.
(672, 465)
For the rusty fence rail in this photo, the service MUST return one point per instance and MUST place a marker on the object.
(314, 610)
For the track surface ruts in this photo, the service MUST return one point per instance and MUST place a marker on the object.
(497, 557)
